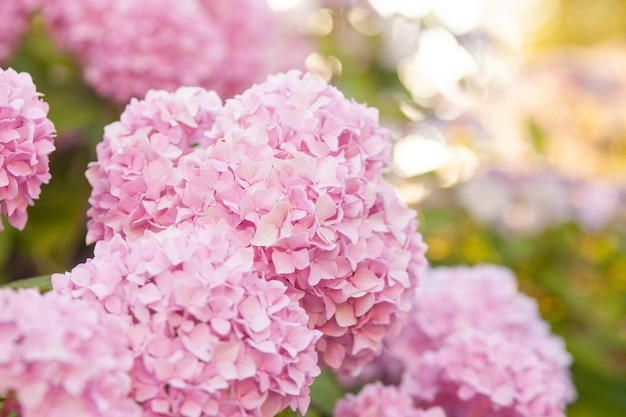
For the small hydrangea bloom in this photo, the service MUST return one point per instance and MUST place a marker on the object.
(136, 157)
(14, 21)
(26, 141)
(377, 400)
(57, 358)
(128, 48)
(477, 373)
(451, 300)
(471, 332)
(483, 297)
(210, 336)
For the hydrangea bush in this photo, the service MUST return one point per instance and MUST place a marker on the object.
(239, 247)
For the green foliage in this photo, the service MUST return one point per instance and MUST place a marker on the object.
(43, 283)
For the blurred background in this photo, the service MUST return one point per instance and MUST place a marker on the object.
(508, 119)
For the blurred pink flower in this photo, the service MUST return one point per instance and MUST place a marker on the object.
(473, 344)
(451, 300)
(26, 140)
(14, 21)
(377, 400)
(483, 297)
(487, 374)
(58, 358)
(595, 204)
(128, 48)
(523, 202)
(210, 337)
(136, 157)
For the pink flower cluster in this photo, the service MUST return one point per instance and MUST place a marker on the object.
(475, 346)
(339, 235)
(14, 21)
(127, 48)
(210, 337)
(136, 158)
(67, 364)
(377, 400)
(296, 169)
(26, 140)
(487, 374)
(483, 298)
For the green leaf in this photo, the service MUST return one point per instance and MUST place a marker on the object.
(43, 282)
(325, 391)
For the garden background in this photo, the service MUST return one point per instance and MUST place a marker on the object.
(509, 123)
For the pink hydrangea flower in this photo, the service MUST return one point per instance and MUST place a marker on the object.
(487, 374)
(471, 332)
(210, 337)
(296, 169)
(483, 297)
(136, 157)
(128, 48)
(451, 300)
(339, 236)
(14, 21)
(26, 140)
(377, 400)
(58, 358)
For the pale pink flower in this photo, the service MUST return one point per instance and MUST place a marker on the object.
(129, 47)
(595, 204)
(26, 140)
(487, 374)
(377, 400)
(483, 297)
(473, 344)
(62, 357)
(524, 202)
(14, 21)
(296, 169)
(210, 336)
(451, 300)
(136, 157)
(322, 156)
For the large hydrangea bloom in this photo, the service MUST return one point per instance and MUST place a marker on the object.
(210, 337)
(487, 374)
(136, 157)
(377, 400)
(26, 140)
(129, 47)
(58, 358)
(14, 21)
(296, 168)
(339, 235)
